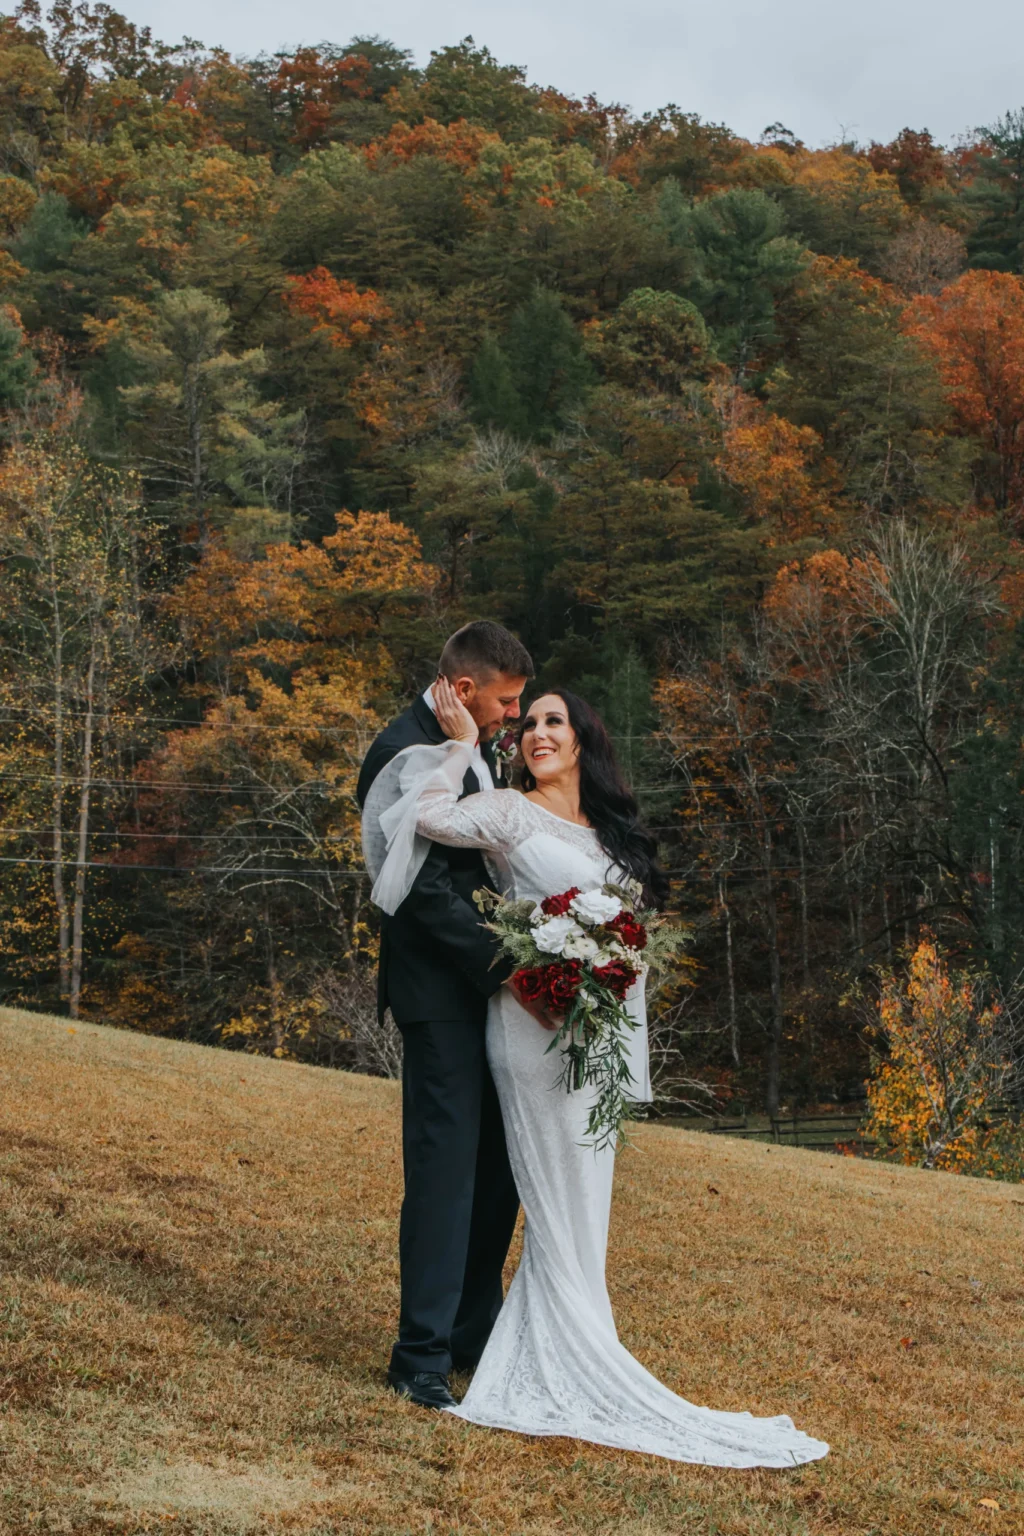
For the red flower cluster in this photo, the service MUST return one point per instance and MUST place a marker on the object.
(558, 906)
(552, 986)
(617, 976)
(632, 933)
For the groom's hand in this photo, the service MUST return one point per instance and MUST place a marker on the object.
(543, 1019)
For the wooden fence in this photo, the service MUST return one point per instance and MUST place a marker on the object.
(827, 1132)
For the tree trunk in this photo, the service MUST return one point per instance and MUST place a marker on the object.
(993, 864)
(83, 836)
(805, 946)
(775, 977)
(191, 393)
(59, 893)
(276, 1023)
(730, 971)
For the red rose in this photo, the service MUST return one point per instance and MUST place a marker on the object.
(507, 745)
(558, 906)
(563, 982)
(531, 982)
(617, 976)
(632, 933)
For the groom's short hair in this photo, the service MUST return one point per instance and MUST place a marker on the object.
(482, 647)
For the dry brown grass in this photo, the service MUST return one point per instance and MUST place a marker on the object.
(198, 1289)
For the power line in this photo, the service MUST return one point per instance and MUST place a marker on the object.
(171, 837)
(157, 836)
(301, 725)
(144, 786)
(781, 872)
(188, 869)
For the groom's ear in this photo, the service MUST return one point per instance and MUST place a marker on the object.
(465, 687)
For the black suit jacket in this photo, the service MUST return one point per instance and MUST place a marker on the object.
(435, 955)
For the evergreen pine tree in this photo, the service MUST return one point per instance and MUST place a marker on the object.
(746, 264)
(549, 368)
(48, 234)
(17, 364)
(998, 194)
(493, 398)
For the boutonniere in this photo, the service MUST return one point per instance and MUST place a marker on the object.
(505, 750)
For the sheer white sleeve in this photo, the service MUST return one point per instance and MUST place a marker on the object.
(414, 801)
(392, 847)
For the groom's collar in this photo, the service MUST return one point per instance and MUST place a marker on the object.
(427, 698)
(427, 719)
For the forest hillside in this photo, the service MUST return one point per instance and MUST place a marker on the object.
(306, 359)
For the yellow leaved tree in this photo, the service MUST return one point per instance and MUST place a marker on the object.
(251, 807)
(947, 1071)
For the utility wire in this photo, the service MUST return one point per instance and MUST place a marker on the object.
(146, 786)
(301, 725)
(780, 872)
(188, 869)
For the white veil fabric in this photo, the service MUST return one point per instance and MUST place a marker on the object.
(393, 849)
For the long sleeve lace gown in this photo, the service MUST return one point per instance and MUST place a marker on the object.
(554, 1364)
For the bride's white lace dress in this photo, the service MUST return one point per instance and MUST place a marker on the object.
(554, 1364)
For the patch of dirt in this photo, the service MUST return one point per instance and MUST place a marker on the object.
(239, 1497)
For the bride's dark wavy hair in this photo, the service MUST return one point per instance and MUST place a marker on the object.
(607, 800)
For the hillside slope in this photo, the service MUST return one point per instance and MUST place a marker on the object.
(198, 1288)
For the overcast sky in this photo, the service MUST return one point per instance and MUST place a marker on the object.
(864, 69)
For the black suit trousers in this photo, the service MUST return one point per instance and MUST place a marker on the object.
(460, 1203)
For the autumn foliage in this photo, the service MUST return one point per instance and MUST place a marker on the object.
(975, 331)
(937, 1096)
(330, 353)
(337, 309)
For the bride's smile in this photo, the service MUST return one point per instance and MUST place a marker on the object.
(548, 744)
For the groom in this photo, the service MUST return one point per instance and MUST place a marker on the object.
(435, 975)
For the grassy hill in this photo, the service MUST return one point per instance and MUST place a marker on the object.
(198, 1287)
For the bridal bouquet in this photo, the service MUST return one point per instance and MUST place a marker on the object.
(578, 953)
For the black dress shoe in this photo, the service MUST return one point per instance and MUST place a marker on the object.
(427, 1388)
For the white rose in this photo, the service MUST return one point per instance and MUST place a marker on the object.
(595, 907)
(582, 947)
(550, 937)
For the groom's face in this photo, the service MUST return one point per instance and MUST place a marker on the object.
(492, 700)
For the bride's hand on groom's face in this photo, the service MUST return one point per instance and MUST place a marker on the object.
(452, 715)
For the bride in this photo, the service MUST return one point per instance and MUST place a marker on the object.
(553, 1364)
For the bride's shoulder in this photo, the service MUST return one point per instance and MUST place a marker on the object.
(512, 809)
(514, 804)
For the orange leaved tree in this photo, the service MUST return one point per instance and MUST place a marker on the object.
(975, 331)
(252, 806)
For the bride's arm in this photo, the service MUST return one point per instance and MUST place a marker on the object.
(491, 822)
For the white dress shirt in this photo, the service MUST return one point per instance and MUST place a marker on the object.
(481, 772)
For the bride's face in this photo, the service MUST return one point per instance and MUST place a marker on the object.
(548, 743)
